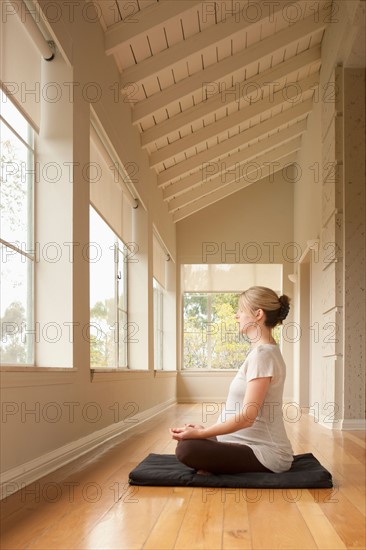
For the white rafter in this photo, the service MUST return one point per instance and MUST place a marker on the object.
(288, 94)
(242, 91)
(228, 66)
(224, 172)
(232, 144)
(144, 21)
(194, 44)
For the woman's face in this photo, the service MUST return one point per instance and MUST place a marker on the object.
(246, 320)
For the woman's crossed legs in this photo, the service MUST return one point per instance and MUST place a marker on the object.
(217, 457)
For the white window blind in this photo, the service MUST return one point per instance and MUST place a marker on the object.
(158, 325)
(20, 66)
(230, 277)
(159, 261)
(107, 195)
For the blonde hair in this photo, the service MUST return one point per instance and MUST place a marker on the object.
(275, 307)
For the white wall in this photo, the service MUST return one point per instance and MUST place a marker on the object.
(307, 226)
(325, 212)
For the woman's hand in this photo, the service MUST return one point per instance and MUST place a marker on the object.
(253, 400)
(189, 431)
(197, 426)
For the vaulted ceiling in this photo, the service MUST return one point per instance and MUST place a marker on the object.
(220, 91)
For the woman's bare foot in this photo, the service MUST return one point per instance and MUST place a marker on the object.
(203, 473)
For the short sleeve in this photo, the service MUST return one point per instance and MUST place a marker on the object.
(260, 364)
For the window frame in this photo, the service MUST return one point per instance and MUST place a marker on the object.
(30, 144)
(158, 327)
(120, 249)
(208, 368)
(121, 252)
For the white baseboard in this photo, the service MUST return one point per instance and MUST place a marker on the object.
(210, 399)
(343, 424)
(198, 399)
(353, 424)
(21, 476)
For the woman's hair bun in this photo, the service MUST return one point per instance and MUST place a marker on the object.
(285, 307)
(261, 297)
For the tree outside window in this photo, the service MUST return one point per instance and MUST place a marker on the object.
(158, 325)
(211, 333)
(108, 296)
(17, 236)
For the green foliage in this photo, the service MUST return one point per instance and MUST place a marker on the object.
(211, 335)
(276, 333)
(103, 334)
(211, 332)
(13, 348)
(12, 189)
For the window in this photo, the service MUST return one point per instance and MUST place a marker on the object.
(158, 325)
(108, 296)
(211, 333)
(17, 236)
(211, 336)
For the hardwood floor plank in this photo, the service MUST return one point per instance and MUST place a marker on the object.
(276, 522)
(319, 526)
(165, 531)
(202, 523)
(357, 437)
(345, 518)
(236, 528)
(78, 504)
(356, 496)
(128, 523)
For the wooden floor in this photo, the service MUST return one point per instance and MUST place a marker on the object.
(88, 503)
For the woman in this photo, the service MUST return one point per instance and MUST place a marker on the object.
(250, 434)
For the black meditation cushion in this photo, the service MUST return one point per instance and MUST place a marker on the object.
(166, 470)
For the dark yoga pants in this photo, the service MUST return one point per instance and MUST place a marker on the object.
(218, 457)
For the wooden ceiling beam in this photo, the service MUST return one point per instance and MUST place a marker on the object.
(291, 93)
(143, 21)
(241, 91)
(228, 66)
(226, 175)
(199, 42)
(234, 143)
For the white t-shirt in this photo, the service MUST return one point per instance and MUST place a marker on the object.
(267, 436)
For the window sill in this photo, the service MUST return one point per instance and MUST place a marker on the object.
(107, 375)
(165, 373)
(18, 377)
(34, 368)
(211, 372)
